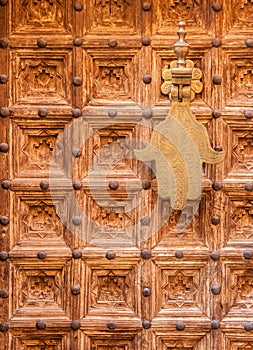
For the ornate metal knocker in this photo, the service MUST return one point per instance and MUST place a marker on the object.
(180, 144)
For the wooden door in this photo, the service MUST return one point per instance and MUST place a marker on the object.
(100, 265)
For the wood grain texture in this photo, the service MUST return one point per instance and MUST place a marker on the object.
(106, 57)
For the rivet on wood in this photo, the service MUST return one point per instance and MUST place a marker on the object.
(4, 147)
(77, 254)
(3, 78)
(110, 255)
(247, 253)
(75, 325)
(77, 220)
(217, 186)
(249, 186)
(4, 112)
(42, 42)
(41, 325)
(180, 326)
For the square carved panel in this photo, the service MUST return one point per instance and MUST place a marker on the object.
(107, 150)
(237, 341)
(113, 16)
(238, 290)
(39, 342)
(40, 16)
(109, 76)
(239, 219)
(189, 226)
(41, 77)
(35, 222)
(114, 341)
(239, 16)
(112, 290)
(113, 221)
(40, 288)
(238, 82)
(179, 288)
(168, 13)
(183, 342)
(239, 161)
(35, 143)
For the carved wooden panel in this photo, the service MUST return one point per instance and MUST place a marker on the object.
(30, 16)
(98, 245)
(109, 76)
(41, 77)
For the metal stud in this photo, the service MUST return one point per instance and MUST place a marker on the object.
(113, 185)
(77, 185)
(179, 254)
(146, 6)
(4, 220)
(146, 185)
(146, 78)
(4, 327)
(217, 7)
(146, 324)
(247, 253)
(218, 148)
(44, 185)
(112, 113)
(75, 325)
(146, 254)
(77, 254)
(215, 324)
(6, 184)
(147, 113)
(215, 220)
(76, 152)
(4, 147)
(4, 43)
(111, 325)
(216, 289)
(145, 220)
(41, 325)
(76, 112)
(146, 41)
(3, 78)
(77, 81)
(4, 112)
(217, 186)
(215, 255)
(216, 42)
(217, 79)
(42, 255)
(249, 42)
(146, 292)
(78, 42)
(4, 255)
(78, 6)
(248, 326)
(216, 113)
(77, 220)
(42, 42)
(3, 2)
(110, 255)
(75, 290)
(249, 186)
(4, 293)
(248, 113)
(112, 43)
(180, 326)
(42, 112)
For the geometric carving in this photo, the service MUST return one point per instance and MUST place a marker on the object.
(112, 344)
(40, 289)
(112, 79)
(243, 12)
(243, 153)
(36, 344)
(180, 288)
(243, 80)
(39, 149)
(41, 219)
(39, 15)
(41, 77)
(187, 10)
(110, 149)
(112, 14)
(243, 290)
(179, 346)
(242, 216)
(112, 289)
